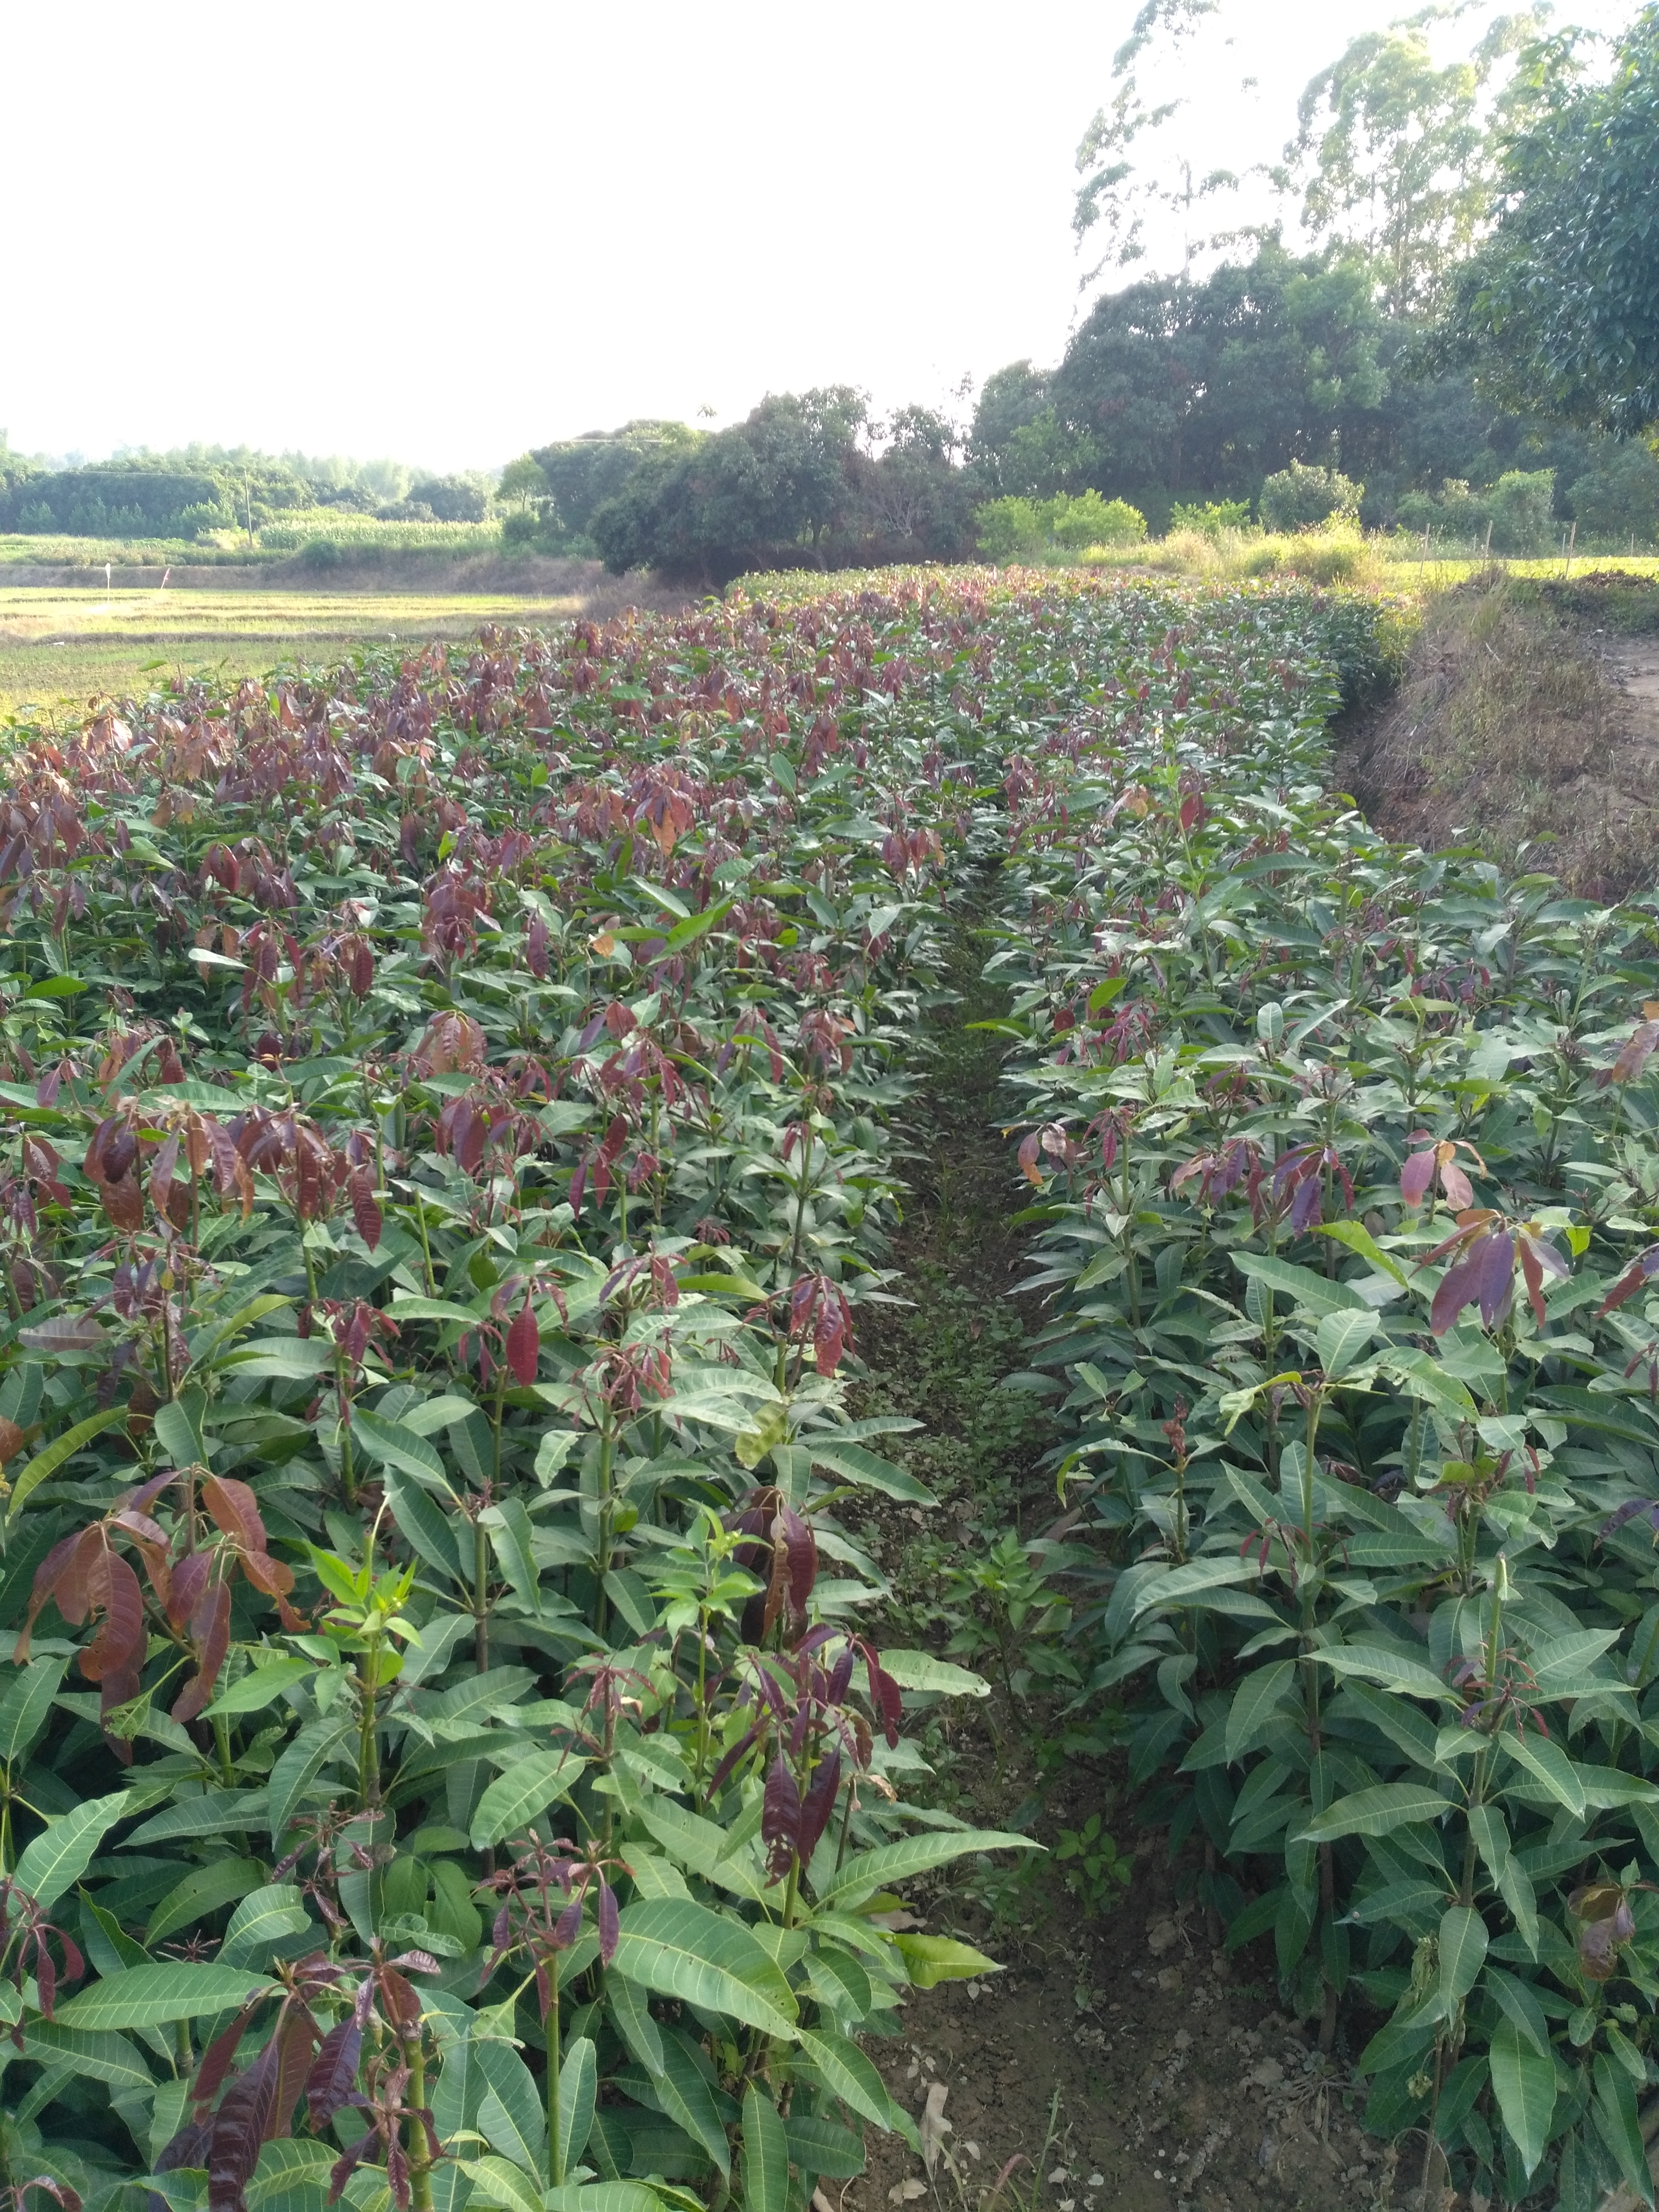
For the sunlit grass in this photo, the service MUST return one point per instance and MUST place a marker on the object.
(60, 647)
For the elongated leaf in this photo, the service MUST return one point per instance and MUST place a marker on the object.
(630, 2011)
(579, 2083)
(421, 1522)
(48, 1460)
(214, 1813)
(848, 2074)
(765, 2154)
(1620, 2124)
(93, 2052)
(1254, 1704)
(1341, 1338)
(1312, 1292)
(1463, 1941)
(1524, 2081)
(919, 1670)
(930, 1960)
(259, 1688)
(497, 2181)
(865, 1469)
(1375, 1812)
(510, 2112)
(1176, 1584)
(264, 1918)
(26, 1705)
(1545, 1758)
(204, 1889)
(688, 2100)
(684, 1950)
(1391, 1670)
(299, 1766)
(528, 1787)
(155, 1995)
(513, 1540)
(282, 1358)
(868, 1871)
(56, 1859)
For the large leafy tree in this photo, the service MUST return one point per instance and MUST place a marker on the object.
(1205, 388)
(1396, 153)
(1558, 310)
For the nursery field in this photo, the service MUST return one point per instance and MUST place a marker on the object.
(552, 1607)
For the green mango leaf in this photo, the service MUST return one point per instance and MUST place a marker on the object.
(56, 1453)
(930, 1960)
(26, 1705)
(155, 1995)
(684, 1950)
(578, 2081)
(1542, 1757)
(260, 1687)
(866, 1470)
(1375, 1812)
(919, 1670)
(891, 1863)
(203, 1890)
(1255, 1702)
(529, 1786)
(1619, 2124)
(1463, 1941)
(765, 2154)
(56, 1859)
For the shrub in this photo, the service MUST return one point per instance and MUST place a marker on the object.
(1210, 520)
(321, 553)
(1008, 528)
(1522, 504)
(1301, 497)
(1089, 520)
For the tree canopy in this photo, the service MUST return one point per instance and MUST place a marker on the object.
(1558, 308)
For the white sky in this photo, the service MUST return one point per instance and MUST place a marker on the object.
(449, 232)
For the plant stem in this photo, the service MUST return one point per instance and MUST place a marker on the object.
(420, 2151)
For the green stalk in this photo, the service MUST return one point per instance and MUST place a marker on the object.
(369, 1767)
(480, 1598)
(607, 1521)
(420, 2153)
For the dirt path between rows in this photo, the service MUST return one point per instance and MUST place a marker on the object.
(1121, 2059)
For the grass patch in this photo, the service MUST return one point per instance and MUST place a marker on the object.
(63, 647)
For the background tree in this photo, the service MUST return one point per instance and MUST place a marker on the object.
(1558, 309)
(1397, 155)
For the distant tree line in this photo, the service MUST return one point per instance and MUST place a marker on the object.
(1469, 345)
(199, 488)
(1174, 393)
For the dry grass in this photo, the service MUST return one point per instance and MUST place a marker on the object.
(1319, 556)
(1508, 730)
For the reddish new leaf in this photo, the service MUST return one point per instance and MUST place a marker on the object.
(818, 1804)
(240, 2129)
(333, 2073)
(524, 1345)
(781, 1817)
(210, 1628)
(365, 1212)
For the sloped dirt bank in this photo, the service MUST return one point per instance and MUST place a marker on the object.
(1525, 722)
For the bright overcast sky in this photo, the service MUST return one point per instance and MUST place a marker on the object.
(448, 234)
